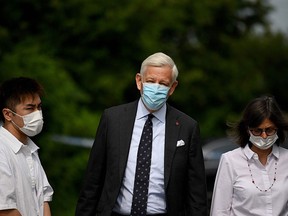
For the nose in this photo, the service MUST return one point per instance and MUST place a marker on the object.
(264, 135)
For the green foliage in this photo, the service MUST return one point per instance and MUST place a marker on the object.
(86, 54)
(63, 98)
(65, 167)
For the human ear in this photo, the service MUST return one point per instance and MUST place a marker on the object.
(138, 80)
(6, 113)
(173, 87)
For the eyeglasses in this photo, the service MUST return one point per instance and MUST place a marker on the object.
(268, 131)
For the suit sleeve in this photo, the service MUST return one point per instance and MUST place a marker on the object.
(95, 173)
(196, 177)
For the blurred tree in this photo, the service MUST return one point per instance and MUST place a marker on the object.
(63, 114)
(86, 54)
(63, 99)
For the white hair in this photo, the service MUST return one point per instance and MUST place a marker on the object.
(159, 59)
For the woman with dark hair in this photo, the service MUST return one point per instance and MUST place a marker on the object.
(252, 179)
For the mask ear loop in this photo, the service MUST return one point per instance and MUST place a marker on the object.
(15, 124)
(14, 113)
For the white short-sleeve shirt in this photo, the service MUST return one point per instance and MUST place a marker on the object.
(23, 182)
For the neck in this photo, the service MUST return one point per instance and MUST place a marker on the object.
(262, 153)
(16, 132)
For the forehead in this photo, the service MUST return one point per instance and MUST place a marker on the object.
(164, 72)
(29, 99)
(266, 123)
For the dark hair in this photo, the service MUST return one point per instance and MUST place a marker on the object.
(14, 91)
(254, 114)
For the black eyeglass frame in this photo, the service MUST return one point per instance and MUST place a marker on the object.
(270, 131)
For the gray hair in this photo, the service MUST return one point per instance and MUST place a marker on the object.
(159, 59)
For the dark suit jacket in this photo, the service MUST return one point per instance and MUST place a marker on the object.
(184, 172)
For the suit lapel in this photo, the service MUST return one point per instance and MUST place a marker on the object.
(127, 119)
(126, 125)
(171, 137)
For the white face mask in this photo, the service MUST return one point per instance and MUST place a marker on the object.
(33, 123)
(262, 143)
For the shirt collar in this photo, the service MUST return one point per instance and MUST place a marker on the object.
(33, 147)
(249, 153)
(142, 112)
(15, 144)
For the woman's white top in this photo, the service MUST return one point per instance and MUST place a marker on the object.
(235, 193)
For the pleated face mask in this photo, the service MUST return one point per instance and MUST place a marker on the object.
(154, 95)
(33, 123)
(262, 143)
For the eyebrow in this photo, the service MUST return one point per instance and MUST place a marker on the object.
(32, 105)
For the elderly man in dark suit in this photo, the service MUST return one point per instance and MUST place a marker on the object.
(171, 178)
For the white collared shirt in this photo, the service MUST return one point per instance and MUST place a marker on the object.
(156, 195)
(235, 194)
(23, 182)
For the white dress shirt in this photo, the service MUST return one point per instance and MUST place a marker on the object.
(156, 194)
(23, 182)
(235, 194)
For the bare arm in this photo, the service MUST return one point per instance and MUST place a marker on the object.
(10, 212)
(47, 211)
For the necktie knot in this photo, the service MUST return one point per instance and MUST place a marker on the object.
(149, 120)
(150, 116)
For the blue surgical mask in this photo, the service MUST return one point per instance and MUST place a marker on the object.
(154, 95)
